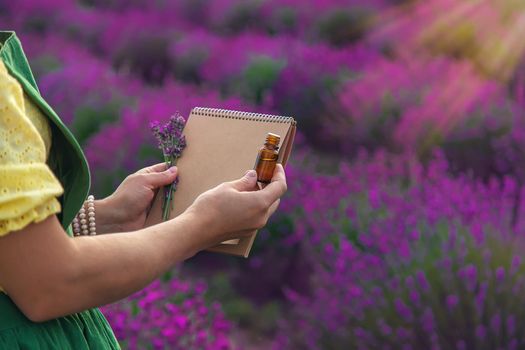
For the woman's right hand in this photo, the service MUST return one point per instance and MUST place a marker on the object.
(237, 208)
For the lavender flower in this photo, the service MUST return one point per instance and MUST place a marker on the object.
(169, 315)
(172, 142)
(449, 287)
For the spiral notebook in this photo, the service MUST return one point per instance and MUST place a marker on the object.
(221, 146)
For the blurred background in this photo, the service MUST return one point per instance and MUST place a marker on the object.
(402, 226)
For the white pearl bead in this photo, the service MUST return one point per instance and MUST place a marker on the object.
(83, 223)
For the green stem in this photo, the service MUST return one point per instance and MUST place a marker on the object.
(166, 204)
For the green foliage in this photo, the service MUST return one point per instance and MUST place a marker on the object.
(242, 16)
(149, 151)
(271, 236)
(472, 145)
(179, 298)
(259, 77)
(236, 308)
(90, 119)
(284, 20)
(167, 276)
(187, 67)
(44, 64)
(104, 181)
(344, 26)
(135, 309)
(147, 56)
(241, 310)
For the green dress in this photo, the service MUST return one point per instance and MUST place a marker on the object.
(85, 330)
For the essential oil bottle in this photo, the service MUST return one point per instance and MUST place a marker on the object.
(267, 158)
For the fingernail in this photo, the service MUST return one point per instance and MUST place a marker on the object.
(173, 169)
(251, 173)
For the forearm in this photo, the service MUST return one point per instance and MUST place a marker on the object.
(111, 267)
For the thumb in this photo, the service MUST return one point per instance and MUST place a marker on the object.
(246, 183)
(161, 178)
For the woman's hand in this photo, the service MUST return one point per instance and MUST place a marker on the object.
(236, 209)
(127, 207)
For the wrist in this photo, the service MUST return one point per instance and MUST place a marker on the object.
(202, 226)
(184, 237)
(109, 217)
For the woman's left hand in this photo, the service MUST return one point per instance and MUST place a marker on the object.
(127, 207)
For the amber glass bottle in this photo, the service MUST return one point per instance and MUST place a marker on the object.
(267, 158)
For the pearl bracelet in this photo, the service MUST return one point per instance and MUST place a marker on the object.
(84, 222)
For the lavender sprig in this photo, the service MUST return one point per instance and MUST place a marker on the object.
(172, 142)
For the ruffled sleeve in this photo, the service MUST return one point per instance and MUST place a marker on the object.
(28, 187)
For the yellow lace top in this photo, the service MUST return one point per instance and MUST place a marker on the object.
(28, 187)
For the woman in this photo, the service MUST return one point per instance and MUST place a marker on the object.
(51, 283)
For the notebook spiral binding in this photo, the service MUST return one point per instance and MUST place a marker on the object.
(226, 113)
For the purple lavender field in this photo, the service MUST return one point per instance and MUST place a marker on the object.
(403, 226)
